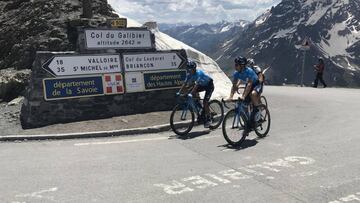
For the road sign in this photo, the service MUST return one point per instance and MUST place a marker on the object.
(113, 83)
(152, 61)
(66, 88)
(118, 39)
(83, 64)
(117, 22)
(134, 82)
(164, 80)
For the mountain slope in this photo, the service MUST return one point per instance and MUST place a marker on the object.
(331, 26)
(204, 37)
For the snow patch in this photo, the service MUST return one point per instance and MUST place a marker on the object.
(226, 28)
(318, 14)
(283, 33)
(260, 20)
(337, 44)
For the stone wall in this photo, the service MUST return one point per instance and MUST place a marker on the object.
(37, 112)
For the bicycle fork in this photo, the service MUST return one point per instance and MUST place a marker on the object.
(184, 112)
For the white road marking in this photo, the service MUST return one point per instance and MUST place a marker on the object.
(134, 140)
(251, 171)
(301, 160)
(235, 175)
(121, 141)
(305, 174)
(231, 175)
(175, 188)
(264, 167)
(350, 198)
(222, 180)
(279, 162)
(201, 182)
(39, 194)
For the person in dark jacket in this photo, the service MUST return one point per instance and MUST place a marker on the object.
(319, 68)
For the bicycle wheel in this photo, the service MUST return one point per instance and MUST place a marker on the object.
(233, 127)
(182, 120)
(263, 100)
(262, 121)
(216, 113)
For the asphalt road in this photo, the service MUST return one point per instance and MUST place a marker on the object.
(312, 154)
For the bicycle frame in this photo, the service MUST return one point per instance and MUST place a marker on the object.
(190, 104)
(241, 107)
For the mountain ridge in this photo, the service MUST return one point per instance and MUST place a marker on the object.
(331, 26)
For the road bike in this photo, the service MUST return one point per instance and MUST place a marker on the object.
(239, 121)
(182, 118)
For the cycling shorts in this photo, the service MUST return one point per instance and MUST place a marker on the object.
(208, 90)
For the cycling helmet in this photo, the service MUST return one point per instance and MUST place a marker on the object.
(240, 60)
(190, 65)
(251, 62)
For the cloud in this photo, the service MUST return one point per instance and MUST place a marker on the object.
(191, 11)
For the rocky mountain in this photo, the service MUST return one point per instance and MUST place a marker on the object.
(332, 28)
(204, 37)
(27, 26)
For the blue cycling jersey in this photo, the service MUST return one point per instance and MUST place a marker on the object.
(200, 78)
(245, 75)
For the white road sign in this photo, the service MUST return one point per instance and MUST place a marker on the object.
(118, 39)
(83, 64)
(152, 61)
(134, 82)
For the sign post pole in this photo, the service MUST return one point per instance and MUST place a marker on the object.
(305, 46)
(302, 70)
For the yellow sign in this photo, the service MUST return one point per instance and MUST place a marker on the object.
(118, 23)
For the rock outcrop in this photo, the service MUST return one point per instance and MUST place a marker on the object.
(27, 26)
(13, 83)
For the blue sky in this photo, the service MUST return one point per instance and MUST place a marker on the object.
(191, 11)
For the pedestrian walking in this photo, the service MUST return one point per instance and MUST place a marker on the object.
(319, 68)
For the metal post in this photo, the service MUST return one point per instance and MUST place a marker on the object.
(302, 69)
(87, 9)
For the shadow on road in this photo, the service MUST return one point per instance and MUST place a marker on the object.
(247, 143)
(190, 135)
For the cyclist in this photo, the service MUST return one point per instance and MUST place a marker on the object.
(259, 73)
(202, 82)
(252, 88)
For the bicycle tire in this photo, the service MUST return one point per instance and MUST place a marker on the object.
(263, 100)
(232, 128)
(264, 119)
(176, 126)
(216, 119)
